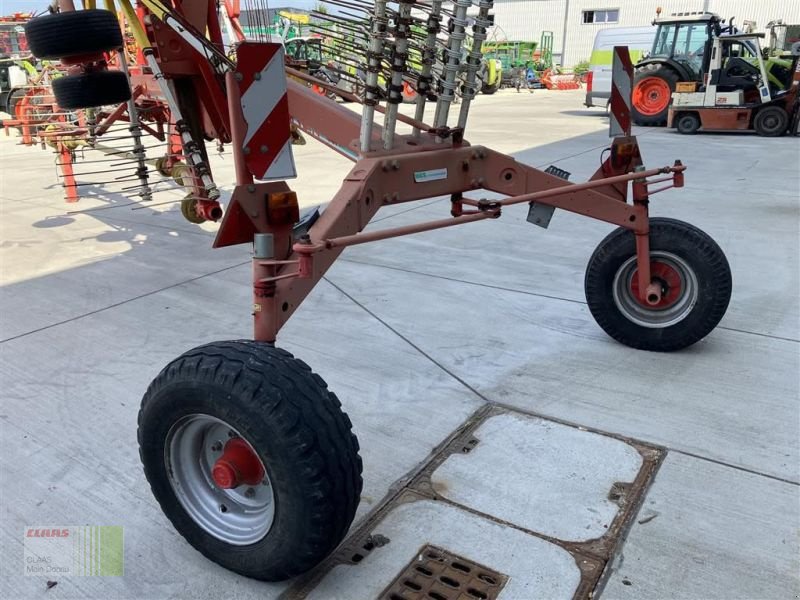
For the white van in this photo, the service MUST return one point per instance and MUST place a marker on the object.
(639, 41)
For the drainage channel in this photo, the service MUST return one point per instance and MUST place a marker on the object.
(468, 496)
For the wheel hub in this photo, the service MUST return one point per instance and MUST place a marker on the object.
(222, 485)
(651, 96)
(679, 291)
(664, 275)
(238, 465)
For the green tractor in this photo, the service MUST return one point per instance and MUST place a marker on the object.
(681, 52)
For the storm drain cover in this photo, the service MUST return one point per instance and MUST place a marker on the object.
(436, 574)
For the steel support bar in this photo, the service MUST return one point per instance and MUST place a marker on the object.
(395, 87)
(374, 58)
(417, 124)
(191, 151)
(238, 130)
(452, 62)
(433, 27)
(136, 133)
(570, 188)
(482, 23)
(384, 234)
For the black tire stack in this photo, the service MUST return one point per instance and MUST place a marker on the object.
(75, 34)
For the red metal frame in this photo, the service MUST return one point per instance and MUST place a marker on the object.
(284, 269)
(383, 178)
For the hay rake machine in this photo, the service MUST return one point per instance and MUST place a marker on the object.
(247, 452)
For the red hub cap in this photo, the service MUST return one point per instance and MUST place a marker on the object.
(651, 96)
(671, 285)
(238, 465)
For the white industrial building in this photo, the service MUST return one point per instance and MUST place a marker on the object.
(574, 23)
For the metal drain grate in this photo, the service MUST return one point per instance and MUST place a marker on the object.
(436, 574)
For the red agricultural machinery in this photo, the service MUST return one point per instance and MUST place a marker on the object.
(248, 453)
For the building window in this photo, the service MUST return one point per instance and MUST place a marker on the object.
(601, 16)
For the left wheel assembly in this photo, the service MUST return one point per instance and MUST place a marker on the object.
(251, 457)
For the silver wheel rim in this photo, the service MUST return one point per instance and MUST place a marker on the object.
(239, 516)
(651, 317)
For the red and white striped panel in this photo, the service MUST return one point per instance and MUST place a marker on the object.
(265, 106)
(621, 89)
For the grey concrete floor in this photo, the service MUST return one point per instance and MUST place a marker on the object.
(419, 337)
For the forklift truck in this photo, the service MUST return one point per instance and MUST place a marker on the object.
(738, 94)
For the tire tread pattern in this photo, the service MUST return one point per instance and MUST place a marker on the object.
(273, 385)
(667, 235)
(73, 33)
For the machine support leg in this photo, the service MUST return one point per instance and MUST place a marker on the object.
(136, 133)
(65, 163)
(264, 269)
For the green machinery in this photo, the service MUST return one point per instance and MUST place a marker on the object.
(545, 51)
(511, 53)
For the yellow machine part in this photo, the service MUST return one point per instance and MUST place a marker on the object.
(70, 142)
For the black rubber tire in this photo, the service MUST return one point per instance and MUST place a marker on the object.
(689, 243)
(771, 121)
(96, 88)
(13, 98)
(489, 89)
(295, 425)
(73, 33)
(653, 70)
(687, 123)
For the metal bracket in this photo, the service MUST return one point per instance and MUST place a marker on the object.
(540, 214)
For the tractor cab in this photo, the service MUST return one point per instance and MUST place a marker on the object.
(304, 53)
(683, 40)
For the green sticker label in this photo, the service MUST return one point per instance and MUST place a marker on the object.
(74, 551)
(432, 175)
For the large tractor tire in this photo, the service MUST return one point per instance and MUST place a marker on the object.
(97, 88)
(653, 85)
(695, 283)
(251, 458)
(73, 33)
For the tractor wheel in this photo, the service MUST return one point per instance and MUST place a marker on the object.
(74, 33)
(695, 281)
(251, 458)
(771, 121)
(688, 123)
(95, 88)
(652, 90)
